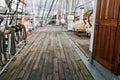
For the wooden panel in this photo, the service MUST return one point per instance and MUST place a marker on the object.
(111, 9)
(111, 44)
(103, 62)
(116, 57)
(112, 23)
(107, 9)
(105, 37)
(104, 40)
(98, 9)
(99, 42)
(106, 50)
(103, 9)
(116, 8)
(95, 42)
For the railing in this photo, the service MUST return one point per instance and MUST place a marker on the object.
(9, 56)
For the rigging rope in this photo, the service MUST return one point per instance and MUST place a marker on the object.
(39, 8)
(76, 6)
(43, 12)
(66, 6)
(16, 11)
(50, 8)
(54, 7)
(44, 8)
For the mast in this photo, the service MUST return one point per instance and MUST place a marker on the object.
(43, 12)
(70, 7)
(39, 8)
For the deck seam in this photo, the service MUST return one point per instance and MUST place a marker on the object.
(94, 72)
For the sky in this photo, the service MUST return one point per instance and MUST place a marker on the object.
(37, 3)
(34, 5)
(42, 2)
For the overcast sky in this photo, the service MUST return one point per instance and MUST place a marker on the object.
(40, 3)
(36, 4)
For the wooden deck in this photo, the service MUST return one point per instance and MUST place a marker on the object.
(82, 41)
(48, 56)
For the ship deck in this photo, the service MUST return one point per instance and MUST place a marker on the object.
(47, 56)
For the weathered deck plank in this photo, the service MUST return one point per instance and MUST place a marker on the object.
(48, 56)
(82, 42)
(70, 61)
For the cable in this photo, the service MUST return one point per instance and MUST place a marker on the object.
(50, 8)
(39, 8)
(66, 6)
(9, 7)
(18, 2)
(43, 12)
(54, 7)
(73, 3)
(76, 6)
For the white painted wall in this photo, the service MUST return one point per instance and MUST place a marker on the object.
(93, 23)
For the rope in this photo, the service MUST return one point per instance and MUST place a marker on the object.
(18, 2)
(54, 7)
(43, 12)
(50, 8)
(76, 6)
(39, 8)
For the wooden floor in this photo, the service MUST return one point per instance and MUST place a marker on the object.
(82, 41)
(47, 56)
